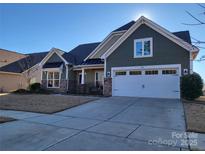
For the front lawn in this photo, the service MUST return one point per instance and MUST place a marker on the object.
(41, 103)
(5, 119)
(195, 115)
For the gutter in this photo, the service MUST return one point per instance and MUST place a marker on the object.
(10, 73)
(88, 66)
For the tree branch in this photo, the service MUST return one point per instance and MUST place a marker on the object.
(202, 58)
(201, 6)
(197, 41)
(200, 47)
(195, 18)
(194, 24)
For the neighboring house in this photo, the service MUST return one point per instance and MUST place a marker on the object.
(139, 59)
(21, 73)
(7, 57)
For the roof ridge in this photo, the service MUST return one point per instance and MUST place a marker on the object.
(88, 43)
(12, 51)
(37, 53)
(180, 31)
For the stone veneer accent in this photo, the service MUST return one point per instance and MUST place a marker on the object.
(63, 85)
(107, 90)
(72, 84)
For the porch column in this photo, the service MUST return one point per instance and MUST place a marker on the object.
(83, 76)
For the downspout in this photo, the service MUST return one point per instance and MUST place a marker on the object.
(41, 73)
(66, 77)
(190, 63)
(105, 63)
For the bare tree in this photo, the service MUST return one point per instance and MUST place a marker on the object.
(25, 64)
(198, 22)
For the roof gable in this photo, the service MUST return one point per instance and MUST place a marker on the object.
(104, 45)
(156, 27)
(53, 51)
(116, 34)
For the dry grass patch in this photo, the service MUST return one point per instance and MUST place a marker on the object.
(5, 119)
(201, 99)
(42, 103)
(195, 115)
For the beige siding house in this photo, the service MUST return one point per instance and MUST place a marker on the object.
(10, 81)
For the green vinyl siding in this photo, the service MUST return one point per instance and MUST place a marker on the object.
(164, 51)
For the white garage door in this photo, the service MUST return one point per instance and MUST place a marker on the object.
(156, 83)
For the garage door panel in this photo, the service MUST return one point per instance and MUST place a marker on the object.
(157, 86)
(123, 90)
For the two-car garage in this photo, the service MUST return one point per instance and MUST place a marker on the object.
(159, 81)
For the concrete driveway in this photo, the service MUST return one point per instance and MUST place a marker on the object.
(115, 123)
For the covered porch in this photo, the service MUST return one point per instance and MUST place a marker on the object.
(89, 79)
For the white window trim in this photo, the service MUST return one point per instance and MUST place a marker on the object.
(53, 79)
(143, 40)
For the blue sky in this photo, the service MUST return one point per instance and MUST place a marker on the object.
(30, 28)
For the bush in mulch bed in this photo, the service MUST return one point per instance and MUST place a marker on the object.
(35, 88)
(191, 86)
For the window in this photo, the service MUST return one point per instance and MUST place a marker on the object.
(98, 78)
(169, 72)
(79, 78)
(53, 79)
(120, 73)
(151, 72)
(143, 47)
(135, 72)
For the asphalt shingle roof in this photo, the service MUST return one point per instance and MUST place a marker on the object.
(93, 61)
(125, 27)
(184, 35)
(81, 52)
(24, 63)
(52, 65)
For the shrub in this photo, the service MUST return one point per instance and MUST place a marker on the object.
(35, 87)
(191, 86)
